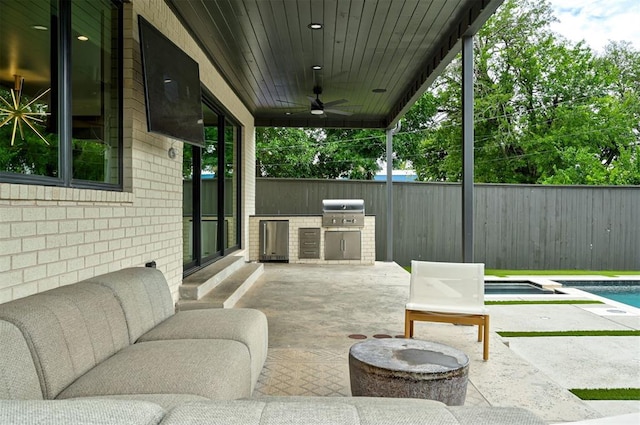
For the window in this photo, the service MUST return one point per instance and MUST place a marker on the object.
(60, 90)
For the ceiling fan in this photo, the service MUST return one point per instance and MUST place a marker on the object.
(319, 108)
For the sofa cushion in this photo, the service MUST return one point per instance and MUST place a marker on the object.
(342, 411)
(144, 295)
(68, 330)
(483, 415)
(166, 401)
(86, 412)
(243, 325)
(215, 369)
(256, 412)
(18, 376)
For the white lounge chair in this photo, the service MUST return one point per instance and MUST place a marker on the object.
(448, 292)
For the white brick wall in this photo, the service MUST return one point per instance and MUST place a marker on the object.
(52, 236)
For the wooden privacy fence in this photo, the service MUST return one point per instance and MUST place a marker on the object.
(515, 226)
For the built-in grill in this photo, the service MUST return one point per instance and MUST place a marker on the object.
(343, 213)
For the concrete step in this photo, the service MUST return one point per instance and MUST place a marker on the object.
(203, 281)
(229, 291)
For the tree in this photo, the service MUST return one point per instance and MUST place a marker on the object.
(318, 153)
(546, 110)
(285, 152)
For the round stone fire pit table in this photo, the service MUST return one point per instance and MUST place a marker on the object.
(409, 368)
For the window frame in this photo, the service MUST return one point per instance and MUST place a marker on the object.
(63, 78)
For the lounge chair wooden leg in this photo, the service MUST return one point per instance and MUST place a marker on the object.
(408, 325)
(480, 329)
(485, 351)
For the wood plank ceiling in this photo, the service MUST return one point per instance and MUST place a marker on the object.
(376, 56)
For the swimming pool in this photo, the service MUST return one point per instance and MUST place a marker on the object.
(514, 288)
(624, 291)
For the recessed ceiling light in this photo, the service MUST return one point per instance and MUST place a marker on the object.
(83, 38)
(315, 26)
(379, 90)
(287, 113)
(316, 67)
(40, 27)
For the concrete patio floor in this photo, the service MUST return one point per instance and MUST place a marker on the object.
(312, 310)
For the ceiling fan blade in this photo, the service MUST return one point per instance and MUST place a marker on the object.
(290, 103)
(304, 111)
(338, 112)
(335, 102)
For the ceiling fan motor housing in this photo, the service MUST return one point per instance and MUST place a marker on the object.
(317, 109)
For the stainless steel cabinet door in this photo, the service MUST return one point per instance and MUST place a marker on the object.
(351, 245)
(342, 245)
(274, 240)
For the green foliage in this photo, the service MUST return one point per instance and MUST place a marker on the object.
(546, 111)
(325, 154)
(29, 154)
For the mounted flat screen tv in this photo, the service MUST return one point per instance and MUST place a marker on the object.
(171, 87)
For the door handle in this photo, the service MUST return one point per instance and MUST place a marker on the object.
(343, 245)
(264, 238)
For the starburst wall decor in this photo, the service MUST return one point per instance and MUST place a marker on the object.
(18, 113)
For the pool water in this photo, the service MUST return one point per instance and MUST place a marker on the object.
(624, 291)
(513, 288)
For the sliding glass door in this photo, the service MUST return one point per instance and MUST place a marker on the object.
(211, 192)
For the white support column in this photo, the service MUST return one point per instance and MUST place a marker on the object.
(390, 132)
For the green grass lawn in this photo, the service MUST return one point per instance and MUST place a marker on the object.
(524, 302)
(607, 393)
(538, 334)
(504, 272)
(607, 273)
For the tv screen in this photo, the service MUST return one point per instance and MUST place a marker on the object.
(172, 87)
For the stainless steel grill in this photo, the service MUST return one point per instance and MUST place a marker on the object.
(343, 213)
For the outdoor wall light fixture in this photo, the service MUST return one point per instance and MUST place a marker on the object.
(83, 38)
